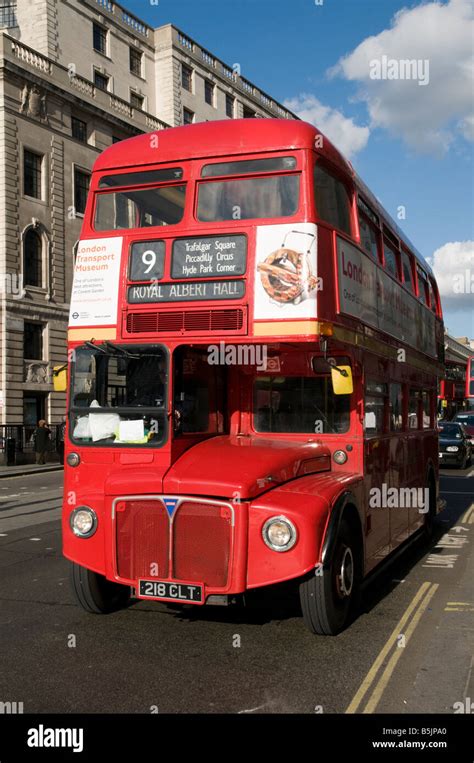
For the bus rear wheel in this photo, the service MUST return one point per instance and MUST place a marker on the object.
(96, 594)
(328, 599)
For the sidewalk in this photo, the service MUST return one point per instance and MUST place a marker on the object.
(24, 469)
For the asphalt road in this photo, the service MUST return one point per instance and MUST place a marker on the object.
(409, 651)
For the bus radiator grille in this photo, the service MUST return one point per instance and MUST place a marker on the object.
(142, 540)
(200, 541)
(187, 322)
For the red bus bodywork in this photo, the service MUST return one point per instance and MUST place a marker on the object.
(196, 506)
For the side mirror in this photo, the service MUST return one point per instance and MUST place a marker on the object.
(60, 378)
(341, 378)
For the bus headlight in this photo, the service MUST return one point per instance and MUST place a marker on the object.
(83, 521)
(340, 456)
(279, 534)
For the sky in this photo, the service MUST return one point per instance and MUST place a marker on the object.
(409, 132)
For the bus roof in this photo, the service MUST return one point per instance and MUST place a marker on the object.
(230, 137)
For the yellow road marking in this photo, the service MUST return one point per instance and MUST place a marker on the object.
(386, 675)
(468, 516)
(370, 677)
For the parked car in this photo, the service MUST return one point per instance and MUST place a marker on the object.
(454, 444)
(467, 420)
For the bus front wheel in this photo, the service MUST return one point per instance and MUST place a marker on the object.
(328, 597)
(96, 594)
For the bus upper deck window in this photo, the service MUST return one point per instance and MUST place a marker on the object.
(140, 208)
(247, 198)
(391, 259)
(432, 297)
(332, 199)
(422, 286)
(249, 166)
(407, 271)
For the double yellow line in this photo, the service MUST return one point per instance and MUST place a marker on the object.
(405, 627)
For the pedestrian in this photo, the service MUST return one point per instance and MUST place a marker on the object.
(42, 434)
(61, 435)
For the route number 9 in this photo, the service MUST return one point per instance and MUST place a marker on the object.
(147, 261)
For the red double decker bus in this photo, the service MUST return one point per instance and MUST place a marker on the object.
(254, 348)
(470, 383)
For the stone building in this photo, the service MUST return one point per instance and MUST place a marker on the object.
(76, 76)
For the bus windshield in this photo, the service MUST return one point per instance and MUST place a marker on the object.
(118, 395)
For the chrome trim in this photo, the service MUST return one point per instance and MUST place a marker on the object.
(292, 527)
(180, 499)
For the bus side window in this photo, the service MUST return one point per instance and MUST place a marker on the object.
(407, 272)
(413, 409)
(376, 399)
(422, 286)
(368, 236)
(432, 297)
(333, 204)
(391, 259)
(426, 409)
(396, 408)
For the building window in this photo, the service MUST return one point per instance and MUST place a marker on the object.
(32, 174)
(32, 259)
(332, 199)
(188, 117)
(100, 38)
(249, 113)
(136, 100)
(209, 89)
(136, 61)
(187, 78)
(33, 341)
(7, 14)
(229, 106)
(101, 81)
(79, 129)
(81, 189)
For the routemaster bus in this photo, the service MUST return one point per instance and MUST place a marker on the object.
(254, 350)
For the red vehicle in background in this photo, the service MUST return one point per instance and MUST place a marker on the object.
(254, 353)
(470, 383)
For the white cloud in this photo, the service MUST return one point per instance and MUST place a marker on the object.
(453, 265)
(348, 137)
(428, 117)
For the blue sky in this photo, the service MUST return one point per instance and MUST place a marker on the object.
(411, 143)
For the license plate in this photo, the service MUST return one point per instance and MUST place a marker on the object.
(164, 589)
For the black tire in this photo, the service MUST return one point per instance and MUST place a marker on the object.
(327, 602)
(96, 594)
